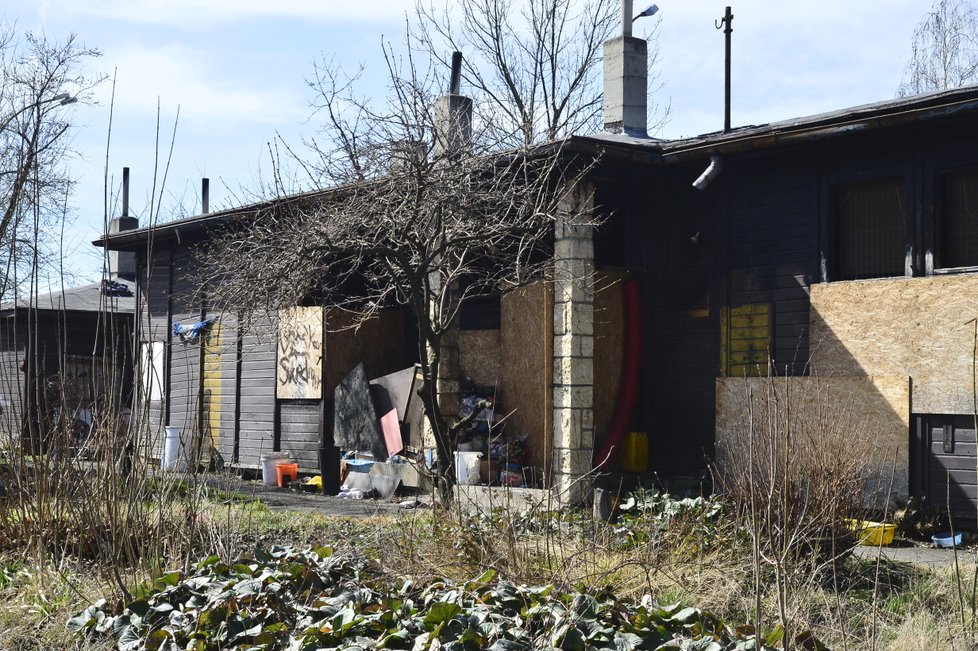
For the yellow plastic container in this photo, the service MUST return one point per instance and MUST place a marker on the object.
(634, 455)
(873, 534)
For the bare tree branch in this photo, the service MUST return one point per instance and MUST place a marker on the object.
(534, 65)
(944, 50)
(414, 225)
(38, 78)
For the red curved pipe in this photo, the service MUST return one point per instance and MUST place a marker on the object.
(631, 373)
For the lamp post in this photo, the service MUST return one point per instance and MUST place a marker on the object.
(61, 98)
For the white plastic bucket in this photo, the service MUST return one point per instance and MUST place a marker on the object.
(467, 467)
(174, 450)
(269, 461)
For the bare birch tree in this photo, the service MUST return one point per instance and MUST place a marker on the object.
(535, 64)
(38, 78)
(420, 219)
(945, 49)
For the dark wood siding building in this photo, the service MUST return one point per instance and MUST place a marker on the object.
(839, 248)
(66, 353)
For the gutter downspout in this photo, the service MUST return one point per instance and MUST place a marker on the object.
(711, 172)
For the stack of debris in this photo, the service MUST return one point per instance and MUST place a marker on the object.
(378, 424)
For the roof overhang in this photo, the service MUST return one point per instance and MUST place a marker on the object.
(626, 149)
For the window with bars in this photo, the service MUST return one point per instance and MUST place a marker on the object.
(958, 225)
(869, 229)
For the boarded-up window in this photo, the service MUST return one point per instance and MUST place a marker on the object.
(870, 230)
(745, 345)
(299, 375)
(479, 313)
(959, 227)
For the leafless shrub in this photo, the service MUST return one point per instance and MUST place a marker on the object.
(795, 473)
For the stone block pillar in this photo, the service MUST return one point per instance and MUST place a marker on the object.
(573, 381)
(448, 371)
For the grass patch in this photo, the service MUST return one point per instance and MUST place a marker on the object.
(700, 560)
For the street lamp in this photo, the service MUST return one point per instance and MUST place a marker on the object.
(60, 98)
(650, 11)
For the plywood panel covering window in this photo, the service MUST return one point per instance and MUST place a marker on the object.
(870, 229)
(960, 219)
(745, 346)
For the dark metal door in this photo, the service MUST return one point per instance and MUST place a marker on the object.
(944, 468)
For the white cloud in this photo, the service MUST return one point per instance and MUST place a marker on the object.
(184, 75)
(190, 12)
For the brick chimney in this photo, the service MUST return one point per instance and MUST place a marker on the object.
(626, 80)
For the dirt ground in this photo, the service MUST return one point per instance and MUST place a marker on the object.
(285, 499)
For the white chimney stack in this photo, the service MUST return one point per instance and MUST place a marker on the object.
(626, 80)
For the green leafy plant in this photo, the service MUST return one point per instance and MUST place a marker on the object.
(312, 599)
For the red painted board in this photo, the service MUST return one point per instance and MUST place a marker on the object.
(392, 432)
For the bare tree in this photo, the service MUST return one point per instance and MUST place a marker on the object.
(945, 49)
(535, 63)
(38, 78)
(425, 218)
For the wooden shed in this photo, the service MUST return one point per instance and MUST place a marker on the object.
(65, 350)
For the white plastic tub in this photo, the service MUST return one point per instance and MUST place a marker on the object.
(269, 461)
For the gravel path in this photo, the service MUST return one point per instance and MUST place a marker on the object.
(925, 556)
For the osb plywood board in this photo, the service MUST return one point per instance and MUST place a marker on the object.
(299, 361)
(526, 368)
(478, 353)
(609, 339)
(903, 326)
(378, 343)
(863, 415)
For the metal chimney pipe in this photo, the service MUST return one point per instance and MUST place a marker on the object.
(205, 195)
(453, 114)
(125, 191)
(626, 18)
(455, 87)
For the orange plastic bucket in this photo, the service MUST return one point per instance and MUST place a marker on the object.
(287, 472)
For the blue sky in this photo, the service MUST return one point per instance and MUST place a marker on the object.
(237, 68)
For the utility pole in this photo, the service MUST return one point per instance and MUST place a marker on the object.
(726, 24)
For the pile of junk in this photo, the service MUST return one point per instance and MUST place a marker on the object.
(379, 427)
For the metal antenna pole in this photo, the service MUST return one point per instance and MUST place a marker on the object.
(726, 23)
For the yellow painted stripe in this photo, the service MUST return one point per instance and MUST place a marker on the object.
(212, 379)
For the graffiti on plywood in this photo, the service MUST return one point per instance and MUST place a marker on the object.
(299, 370)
